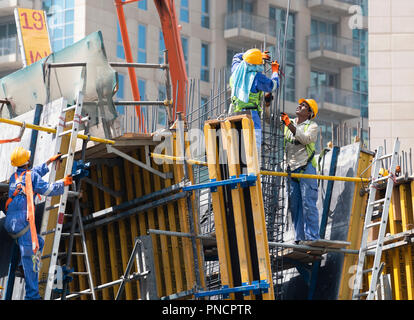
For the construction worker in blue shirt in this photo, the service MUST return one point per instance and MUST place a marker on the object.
(24, 184)
(248, 83)
(300, 135)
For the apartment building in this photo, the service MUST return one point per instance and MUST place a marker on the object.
(326, 55)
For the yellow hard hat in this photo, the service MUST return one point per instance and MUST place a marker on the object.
(312, 104)
(253, 56)
(19, 157)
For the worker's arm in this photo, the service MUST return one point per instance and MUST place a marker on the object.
(47, 189)
(307, 137)
(41, 170)
(263, 83)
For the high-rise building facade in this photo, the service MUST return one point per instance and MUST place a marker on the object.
(325, 57)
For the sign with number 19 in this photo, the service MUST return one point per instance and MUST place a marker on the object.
(33, 35)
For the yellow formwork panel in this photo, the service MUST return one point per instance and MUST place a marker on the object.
(175, 247)
(100, 238)
(231, 145)
(220, 223)
(123, 239)
(356, 223)
(165, 252)
(115, 272)
(262, 244)
(183, 219)
(151, 224)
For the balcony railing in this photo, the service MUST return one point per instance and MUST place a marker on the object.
(336, 96)
(332, 43)
(248, 21)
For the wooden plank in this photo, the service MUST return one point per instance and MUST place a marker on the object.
(230, 143)
(407, 223)
(122, 233)
(174, 240)
(132, 219)
(356, 223)
(325, 243)
(102, 247)
(111, 233)
(151, 225)
(183, 218)
(257, 207)
(218, 208)
(163, 239)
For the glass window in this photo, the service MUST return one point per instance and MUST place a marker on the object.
(142, 4)
(141, 88)
(205, 18)
(161, 45)
(204, 109)
(184, 42)
(184, 11)
(119, 46)
(360, 73)
(243, 5)
(205, 74)
(60, 18)
(142, 43)
(318, 27)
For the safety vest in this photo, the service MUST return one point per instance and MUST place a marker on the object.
(310, 147)
(28, 191)
(253, 103)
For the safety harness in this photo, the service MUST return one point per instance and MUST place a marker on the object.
(28, 191)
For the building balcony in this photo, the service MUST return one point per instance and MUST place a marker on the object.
(7, 6)
(336, 104)
(331, 7)
(10, 58)
(249, 30)
(333, 52)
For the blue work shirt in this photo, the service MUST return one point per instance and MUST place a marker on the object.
(261, 82)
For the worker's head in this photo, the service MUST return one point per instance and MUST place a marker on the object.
(20, 157)
(307, 108)
(253, 56)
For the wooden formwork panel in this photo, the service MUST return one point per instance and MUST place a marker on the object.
(110, 245)
(238, 213)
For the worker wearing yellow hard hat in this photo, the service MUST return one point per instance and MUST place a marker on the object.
(300, 135)
(248, 84)
(24, 184)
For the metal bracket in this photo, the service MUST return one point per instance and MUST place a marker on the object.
(243, 179)
(146, 166)
(257, 287)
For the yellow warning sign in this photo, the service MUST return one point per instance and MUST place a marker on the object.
(33, 34)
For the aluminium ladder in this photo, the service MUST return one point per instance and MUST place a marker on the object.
(61, 205)
(377, 247)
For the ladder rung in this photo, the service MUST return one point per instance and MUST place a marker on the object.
(362, 294)
(68, 123)
(377, 202)
(78, 253)
(55, 206)
(381, 179)
(48, 232)
(385, 156)
(67, 234)
(374, 224)
(367, 270)
(63, 133)
(69, 108)
(73, 193)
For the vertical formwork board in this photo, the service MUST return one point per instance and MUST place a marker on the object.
(356, 223)
(219, 209)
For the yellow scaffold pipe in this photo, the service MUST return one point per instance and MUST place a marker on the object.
(268, 173)
(52, 130)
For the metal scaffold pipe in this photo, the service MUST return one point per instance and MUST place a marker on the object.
(269, 173)
(53, 130)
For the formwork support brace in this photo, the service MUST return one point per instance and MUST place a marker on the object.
(243, 180)
(146, 166)
(257, 287)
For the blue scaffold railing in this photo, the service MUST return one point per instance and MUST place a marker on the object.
(243, 179)
(256, 287)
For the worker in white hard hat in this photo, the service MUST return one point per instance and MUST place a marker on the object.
(300, 135)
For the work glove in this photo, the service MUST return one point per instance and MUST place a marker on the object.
(275, 66)
(67, 181)
(285, 118)
(55, 157)
(266, 56)
(268, 97)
